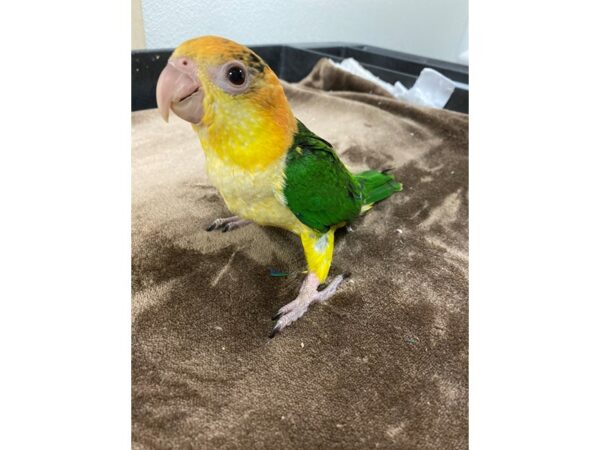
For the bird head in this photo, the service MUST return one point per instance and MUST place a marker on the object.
(232, 98)
(211, 78)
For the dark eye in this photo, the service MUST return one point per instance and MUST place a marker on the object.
(236, 75)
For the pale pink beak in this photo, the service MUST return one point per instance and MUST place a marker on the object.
(178, 89)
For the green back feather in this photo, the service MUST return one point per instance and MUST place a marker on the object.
(320, 190)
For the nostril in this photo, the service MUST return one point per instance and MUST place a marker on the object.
(183, 63)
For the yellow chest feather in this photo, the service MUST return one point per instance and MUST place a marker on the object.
(245, 146)
(252, 194)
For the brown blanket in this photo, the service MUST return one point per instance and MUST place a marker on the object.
(382, 364)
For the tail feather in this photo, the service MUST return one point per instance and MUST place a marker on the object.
(376, 186)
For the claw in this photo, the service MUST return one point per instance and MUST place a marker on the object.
(274, 332)
(227, 224)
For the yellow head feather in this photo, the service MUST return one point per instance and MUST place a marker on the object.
(251, 129)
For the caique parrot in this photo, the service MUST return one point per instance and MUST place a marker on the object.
(268, 167)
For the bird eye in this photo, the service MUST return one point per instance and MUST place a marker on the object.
(236, 75)
(232, 77)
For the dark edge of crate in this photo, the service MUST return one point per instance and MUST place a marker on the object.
(294, 62)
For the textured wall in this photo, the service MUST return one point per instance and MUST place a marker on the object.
(434, 28)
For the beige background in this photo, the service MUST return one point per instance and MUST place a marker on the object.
(137, 25)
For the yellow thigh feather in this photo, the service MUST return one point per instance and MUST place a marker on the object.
(318, 249)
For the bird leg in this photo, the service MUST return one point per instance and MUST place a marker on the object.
(309, 293)
(227, 224)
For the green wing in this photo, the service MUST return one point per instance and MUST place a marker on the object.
(318, 188)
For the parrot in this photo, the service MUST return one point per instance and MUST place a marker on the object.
(267, 166)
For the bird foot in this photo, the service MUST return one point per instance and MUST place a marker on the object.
(309, 294)
(226, 224)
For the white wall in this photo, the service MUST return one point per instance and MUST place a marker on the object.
(433, 28)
